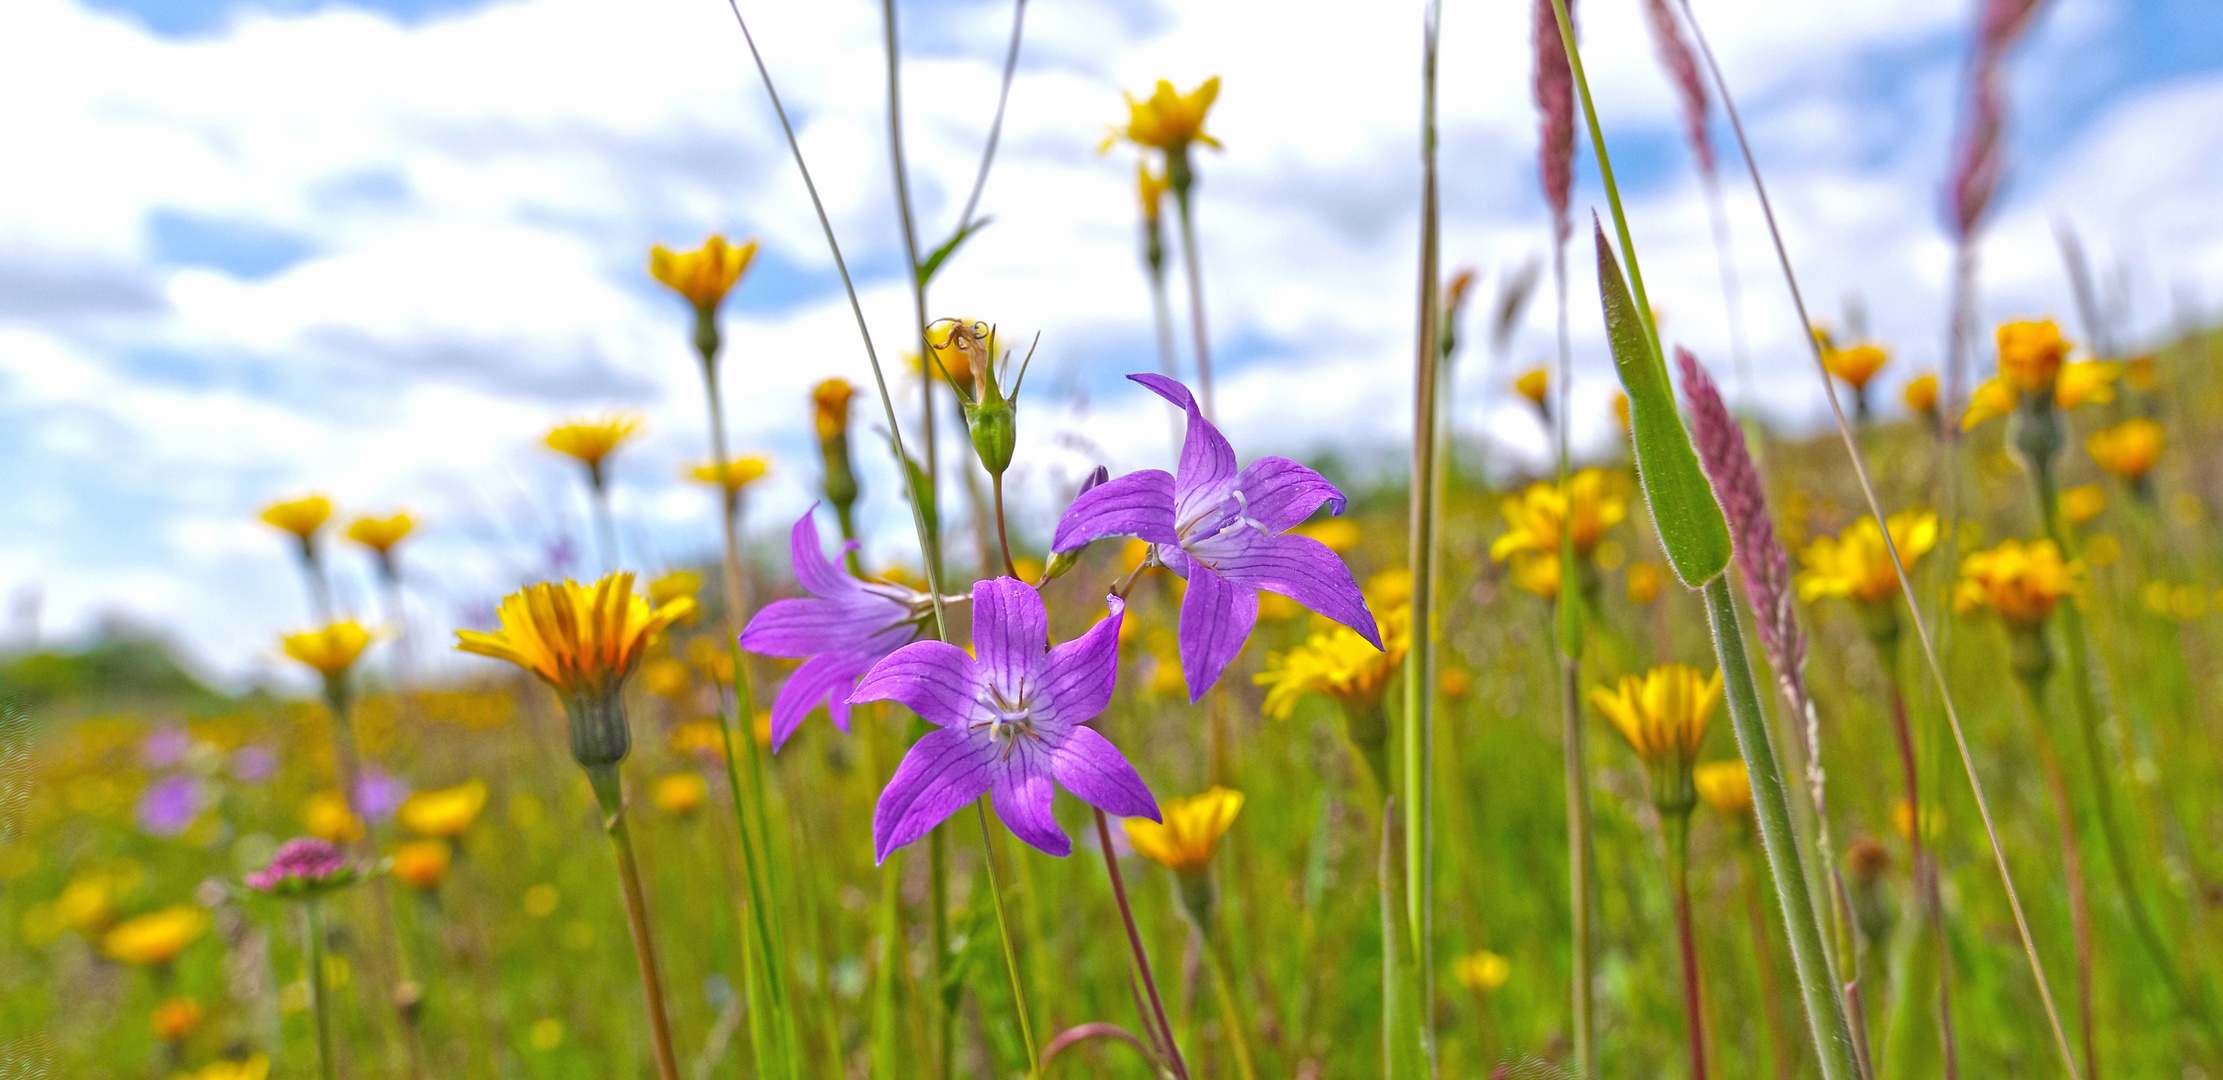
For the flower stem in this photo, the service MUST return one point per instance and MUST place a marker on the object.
(1780, 1043)
(945, 1013)
(1195, 271)
(605, 528)
(1678, 872)
(1010, 952)
(320, 996)
(1161, 311)
(1925, 859)
(1003, 536)
(1420, 665)
(1134, 943)
(1579, 863)
(2080, 911)
(1825, 1013)
(606, 792)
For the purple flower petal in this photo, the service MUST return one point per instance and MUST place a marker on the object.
(800, 627)
(1098, 774)
(828, 679)
(1298, 567)
(1024, 797)
(931, 678)
(169, 805)
(1207, 461)
(1079, 674)
(943, 771)
(1010, 631)
(1137, 504)
(1281, 494)
(818, 574)
(1216, 618)
(165, 747)
(378, 795)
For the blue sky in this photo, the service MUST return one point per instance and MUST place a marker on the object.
(375, 249)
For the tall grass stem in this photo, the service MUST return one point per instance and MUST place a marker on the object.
(1420, 698)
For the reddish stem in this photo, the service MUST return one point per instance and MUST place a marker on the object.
(1134, 942)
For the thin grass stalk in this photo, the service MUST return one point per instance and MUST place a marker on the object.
(1825, 1013)
(1157, 1011)
(605, 527)
(1568, 643)
(1875, 507)
(1925, 857)
(1010, 950)
(605, 780)
(995, 127)
(771, 1029)
(1420, 732)
(1201, 342)
(1161, 311)
(320, 994)
(911, 257)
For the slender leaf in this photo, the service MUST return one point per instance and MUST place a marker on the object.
(949, 247)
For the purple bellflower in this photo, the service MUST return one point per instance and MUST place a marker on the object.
(844, 627)
(1010, 724)
(1226, 531)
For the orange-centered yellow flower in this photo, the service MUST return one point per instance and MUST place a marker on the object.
(1533, 385)
(831, 399)
(1725, 786)
(422, 864)
(583, 640)
(331, 650)
(1585, 506)
(380, 534)
(2030, 354)
(1189, 832)
(1856, 365)
(2020, 582)
(1339, 664)
(2092, 381)
(733, 475)
(1168, 120)
(155, 938)
(705, 275)
(301, 517)
(176, 1020)
(443, 813)
(1482, 971)
(1855, 564)
(1921, 393)
(2129, 449)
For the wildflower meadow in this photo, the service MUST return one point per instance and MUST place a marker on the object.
(1877, 743)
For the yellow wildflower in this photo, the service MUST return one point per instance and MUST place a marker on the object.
(326, 816)
(1537, 513)
(1902, 820)
(1168, 120)
(380, 534)
(1454, 683)
(579, 639)
(1537, 572)
(1534, 384)
(733, 475)
(712, 656)
(1338, 663)
(2129, 449)
(252, 1067)
(301, 517)
(1339, 534)
(443, 812)
(705, 275)
(1389, 588)
(155, 938)
(1643, 583)
(592, 440)
(667, 677)
(679, 794)
(2142, 373)
(1621, 410)
(175, 1020)
(1482, 971)
(2030, 354)
(1996, 397)
(1663, 715)
(2091, 381)
(1189, 832)
(1150, 189)
(422, 864)
(677, 585)
(1921, 393)
(2020, 582)
(1856, 365)
(1855, 564)
(831, 399)
(331, 650)
(2082, 503)
(1725, 786)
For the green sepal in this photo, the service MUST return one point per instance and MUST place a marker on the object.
(1691, 526)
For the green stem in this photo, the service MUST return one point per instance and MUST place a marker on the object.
(1010, 951)
(2072, 859)
(766, 952)
(320, 996)
(944, 997)
(1825, 1013)
(606, 792)
(1677, 826)
(1420, 664)
(1579, 863)
(1196, 295)
(1231, 1013)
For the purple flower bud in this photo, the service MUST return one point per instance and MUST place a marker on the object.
(302, 867)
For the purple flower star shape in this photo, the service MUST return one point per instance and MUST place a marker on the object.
(1226, 531)
(844, 627)
(1010, 724)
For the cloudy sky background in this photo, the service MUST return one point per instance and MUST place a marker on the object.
(258, 248)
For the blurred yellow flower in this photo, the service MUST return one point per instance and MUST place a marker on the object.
(1150, 190)
(88, 902)
(1339, 664)
(380, 534)
(1644, 583)
(2020, 582)
(252, 1067)
(1902, 820)
(2082, 503)
(175, 1020)
(1725, 786)
(1586, 506)
(541, 900)
(1996, 397)
(677, 585)
(1168, 120)
(301, 517)
(667, 677)
(443, 812)
(1389, 588)
(733, 475)
(2142, 373)
(831, 400)
(1856, 365)
(2129, 449)
(1482, 971)
(1189, 832)
(1534, 384)
(1855, 564)
(331, 650)
(1454, 683)
(1621, 410)
(2030, 354)
(712, 657)
(1921, 393)
(1663, 715)
(327, 817)
(579, 639)
(2092, 381)
(705, 275)
(422, 864)
(1339, 534)
(155, 938)
(1537, 572)
(679, 794)
(2102, 550)
(592, 440)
